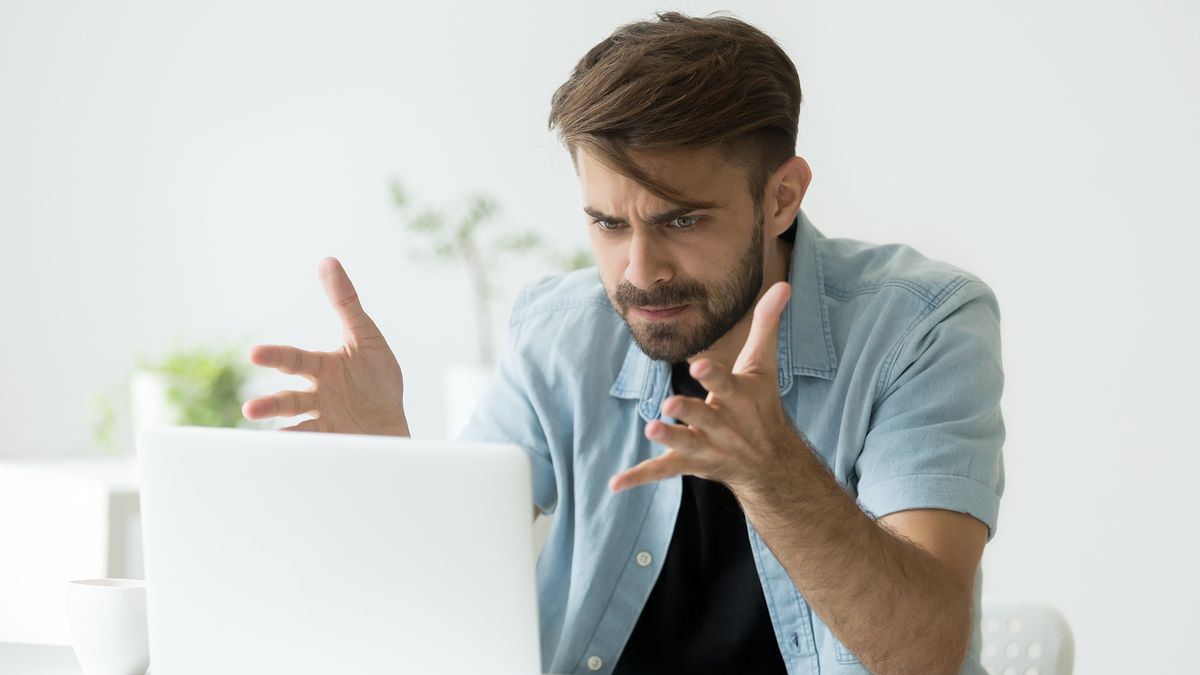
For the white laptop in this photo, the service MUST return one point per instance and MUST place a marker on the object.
(293, 552)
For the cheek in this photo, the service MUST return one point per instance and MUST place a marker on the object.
(704, 268)
(611, 260)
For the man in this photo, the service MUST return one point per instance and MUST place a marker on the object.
(766, 451)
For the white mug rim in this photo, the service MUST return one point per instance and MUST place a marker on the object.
(109, 583)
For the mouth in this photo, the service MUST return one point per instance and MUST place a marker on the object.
(659, 313)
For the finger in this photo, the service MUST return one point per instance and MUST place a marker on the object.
(665, 465)
(691, 411)
(287, 359)
(714, 377)
(344, 299)
(306, 425)
(282, 404)
(759, 353)
(676, 437)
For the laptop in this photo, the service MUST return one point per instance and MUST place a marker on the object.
(294, 552)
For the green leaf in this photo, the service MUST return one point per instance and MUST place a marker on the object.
(399, 195)
(204, 386)
(519, 242)
(427, 222)
(104, 422)
(480, 209)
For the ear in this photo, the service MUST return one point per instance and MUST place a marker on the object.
(784, 192)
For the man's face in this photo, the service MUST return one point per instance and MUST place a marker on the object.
(680, 278)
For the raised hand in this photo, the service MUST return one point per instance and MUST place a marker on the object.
(356, 389)
(739, 434)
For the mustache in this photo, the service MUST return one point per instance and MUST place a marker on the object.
(627, 295)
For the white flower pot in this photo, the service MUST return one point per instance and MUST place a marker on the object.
(465, 384)
(148, 403)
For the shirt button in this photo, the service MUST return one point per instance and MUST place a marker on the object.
(594, 663)
(643, 558)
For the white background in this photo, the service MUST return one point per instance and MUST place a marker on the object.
(173, 172)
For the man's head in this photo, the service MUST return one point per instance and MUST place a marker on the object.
(683, 132)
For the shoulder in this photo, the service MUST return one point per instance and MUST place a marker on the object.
(572, 293)
(894, 280)
(566, 321)
(887, 304)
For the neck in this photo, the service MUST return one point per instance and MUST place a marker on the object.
(726, 349)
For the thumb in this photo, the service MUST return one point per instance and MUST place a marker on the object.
(759, 354)
(345, 302)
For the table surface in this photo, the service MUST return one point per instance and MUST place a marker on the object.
(119, 472)
(23, 659)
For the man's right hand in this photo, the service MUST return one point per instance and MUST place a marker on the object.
(357, 389)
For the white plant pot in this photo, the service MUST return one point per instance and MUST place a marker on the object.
(148, 403)
(465, 384)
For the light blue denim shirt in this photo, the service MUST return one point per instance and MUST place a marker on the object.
(889, 364)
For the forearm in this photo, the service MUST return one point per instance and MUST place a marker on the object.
(890, 602)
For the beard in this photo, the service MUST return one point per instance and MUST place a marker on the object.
(719, 306)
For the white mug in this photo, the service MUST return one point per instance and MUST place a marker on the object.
(107, 618)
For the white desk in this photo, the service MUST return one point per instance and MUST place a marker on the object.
(22, 659)
(62, 519)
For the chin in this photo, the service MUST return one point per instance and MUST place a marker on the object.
(660, 348)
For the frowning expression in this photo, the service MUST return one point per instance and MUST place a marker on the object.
(680, 277)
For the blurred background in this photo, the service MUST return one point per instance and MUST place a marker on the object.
(172, 173)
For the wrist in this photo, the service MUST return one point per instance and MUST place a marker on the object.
(779, 482)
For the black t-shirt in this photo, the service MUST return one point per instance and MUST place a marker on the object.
(706, 613)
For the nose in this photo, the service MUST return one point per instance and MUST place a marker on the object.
(646, 266)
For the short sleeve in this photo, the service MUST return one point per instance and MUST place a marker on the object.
(936, 430)
(506, 414)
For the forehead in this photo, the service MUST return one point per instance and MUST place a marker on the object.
(702, 174)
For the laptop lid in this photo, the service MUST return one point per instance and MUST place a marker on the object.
(294, 552)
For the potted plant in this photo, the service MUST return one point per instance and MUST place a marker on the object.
(466, 238)
(197, 386)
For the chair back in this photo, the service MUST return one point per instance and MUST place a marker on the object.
(1025, 638)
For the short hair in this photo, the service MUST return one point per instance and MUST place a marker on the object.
(681, 83)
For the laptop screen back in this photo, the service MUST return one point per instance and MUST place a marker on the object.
(273, 552)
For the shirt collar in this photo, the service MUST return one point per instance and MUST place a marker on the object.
(805, 341)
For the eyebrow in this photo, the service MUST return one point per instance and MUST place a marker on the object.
(657, 219)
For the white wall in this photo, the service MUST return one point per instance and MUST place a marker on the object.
(176, 172)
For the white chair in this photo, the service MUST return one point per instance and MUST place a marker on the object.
(1024, 638)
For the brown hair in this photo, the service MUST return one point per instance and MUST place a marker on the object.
(680, 83)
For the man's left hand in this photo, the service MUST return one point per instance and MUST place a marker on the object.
(739, 435)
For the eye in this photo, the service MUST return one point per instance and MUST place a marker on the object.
(605, 225)
(685, 222)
